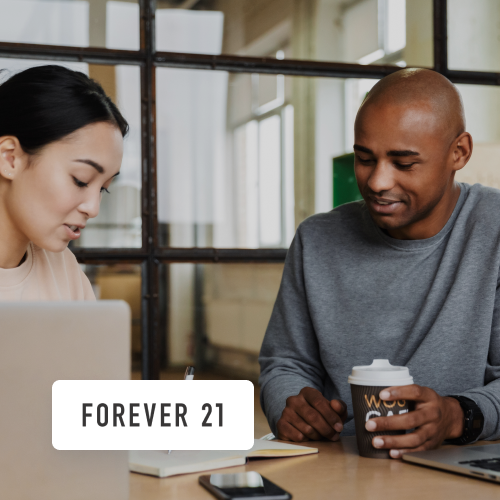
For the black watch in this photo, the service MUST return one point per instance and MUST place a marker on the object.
(473, 421)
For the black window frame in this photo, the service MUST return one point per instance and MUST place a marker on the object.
(151, 254)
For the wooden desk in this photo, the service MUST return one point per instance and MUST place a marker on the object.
(337, 472)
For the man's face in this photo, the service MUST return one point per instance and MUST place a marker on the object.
(402, 163)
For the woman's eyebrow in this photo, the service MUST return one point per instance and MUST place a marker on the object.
(92, 164)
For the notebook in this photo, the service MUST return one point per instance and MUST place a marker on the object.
(160, 464)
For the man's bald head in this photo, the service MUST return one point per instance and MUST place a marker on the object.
(424, 89)
(410, 140)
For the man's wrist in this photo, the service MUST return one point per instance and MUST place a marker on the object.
(456, 418)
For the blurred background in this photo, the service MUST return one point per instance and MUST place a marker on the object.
(241, 120)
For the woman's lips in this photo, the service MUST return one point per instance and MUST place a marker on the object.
(74, 235)
(384, 207)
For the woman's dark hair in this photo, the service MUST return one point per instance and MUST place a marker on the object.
(44, 104)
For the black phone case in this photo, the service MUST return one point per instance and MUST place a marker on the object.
(273, 491)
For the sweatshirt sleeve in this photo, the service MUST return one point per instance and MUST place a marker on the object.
(289, 358)
(488, 397)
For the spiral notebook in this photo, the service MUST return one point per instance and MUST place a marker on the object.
(161, 464)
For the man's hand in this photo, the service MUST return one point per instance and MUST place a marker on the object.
(434, 419)
(310, 416)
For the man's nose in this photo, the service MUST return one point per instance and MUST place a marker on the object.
(381, 178)
(91, 205)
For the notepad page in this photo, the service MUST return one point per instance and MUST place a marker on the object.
(161, 464)
(262, 448)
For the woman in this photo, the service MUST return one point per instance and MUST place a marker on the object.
(61, 145)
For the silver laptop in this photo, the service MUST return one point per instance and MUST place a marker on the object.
(482, 461)
(41, 342)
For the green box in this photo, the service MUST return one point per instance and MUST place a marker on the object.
(345, 187)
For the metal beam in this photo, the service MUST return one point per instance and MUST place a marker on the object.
(108, 255)
(79, 54)
(218, 255)
(440, 36)
(473, 77)
(238, 64)
(178, 255)
(150, 326)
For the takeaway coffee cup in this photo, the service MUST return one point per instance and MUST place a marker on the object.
(366, 384)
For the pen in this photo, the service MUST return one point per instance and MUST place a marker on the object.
(188, 375)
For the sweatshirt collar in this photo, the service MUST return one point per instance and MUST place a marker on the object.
(15, 276)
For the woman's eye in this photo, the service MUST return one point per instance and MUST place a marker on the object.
(104, 189)
(80, 183)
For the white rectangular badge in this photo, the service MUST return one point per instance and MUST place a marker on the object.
(152, 415)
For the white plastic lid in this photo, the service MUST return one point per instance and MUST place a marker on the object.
(380, 374)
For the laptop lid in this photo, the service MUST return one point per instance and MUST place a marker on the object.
(481, 461)
(41, 342)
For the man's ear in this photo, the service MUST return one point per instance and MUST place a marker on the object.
(10, 156)
(462, 150)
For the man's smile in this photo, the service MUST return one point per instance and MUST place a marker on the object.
(383, 206)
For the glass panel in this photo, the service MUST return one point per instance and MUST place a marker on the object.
(225, 159)
(219, 312)
(242, 159)
(121, 282)
(483, 122)
(92, 23)
(119, 221)
(474, 35)
(215, 317)
(393, 31)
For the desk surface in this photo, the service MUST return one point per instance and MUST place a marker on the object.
(337, 472)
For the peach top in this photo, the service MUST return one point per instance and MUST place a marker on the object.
(45, 276)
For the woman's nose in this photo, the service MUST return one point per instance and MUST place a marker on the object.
(91, 205)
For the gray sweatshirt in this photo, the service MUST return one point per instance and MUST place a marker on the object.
(350, 294)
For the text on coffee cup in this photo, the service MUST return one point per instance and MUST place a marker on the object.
(392, 405)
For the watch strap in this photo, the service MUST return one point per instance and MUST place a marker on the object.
(473, 421)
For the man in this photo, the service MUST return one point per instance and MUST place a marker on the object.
(410, 274)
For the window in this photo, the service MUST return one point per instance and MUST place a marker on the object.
(237, 110)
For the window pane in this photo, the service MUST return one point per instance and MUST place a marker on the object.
(225, 159)
(121, 282)
(483, 122)
(393, 31)
(270, 181)
(218, 313)
(215, 317)
(241, 167)
(474, 35)
(92, 23)
(119, 221)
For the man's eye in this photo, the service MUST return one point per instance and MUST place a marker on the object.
(79, 183)
(365, 160)
(404, 166)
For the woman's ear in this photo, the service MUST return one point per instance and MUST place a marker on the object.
(11, 153)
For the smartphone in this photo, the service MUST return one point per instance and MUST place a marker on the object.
(243, 485)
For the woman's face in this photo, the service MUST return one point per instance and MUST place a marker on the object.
(50, 197)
